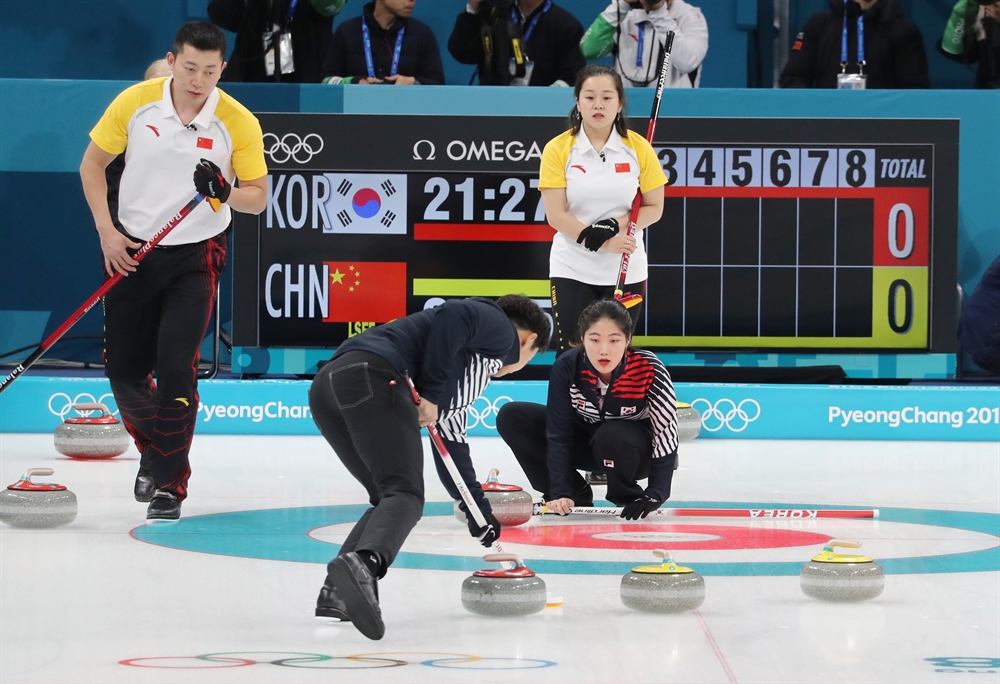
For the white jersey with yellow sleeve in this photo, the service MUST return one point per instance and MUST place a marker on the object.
(161, 154)
(599, 185)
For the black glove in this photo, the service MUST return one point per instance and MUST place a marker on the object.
(595, 235)
(492, 530)
(210, 182)
(640, 508)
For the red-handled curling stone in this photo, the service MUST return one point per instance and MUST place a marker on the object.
(664, 588)
(92, 437)
(511, 504)
(37, 504)
(831, 576)
(502, 592)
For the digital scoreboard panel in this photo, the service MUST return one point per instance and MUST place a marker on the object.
(794, 234)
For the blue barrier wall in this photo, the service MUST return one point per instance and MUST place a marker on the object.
(53, 258)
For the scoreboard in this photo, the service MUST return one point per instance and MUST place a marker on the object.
(794, 234)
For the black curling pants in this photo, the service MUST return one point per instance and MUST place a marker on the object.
(155, 320)
(624, 447)
(364, 409)
(570, 297)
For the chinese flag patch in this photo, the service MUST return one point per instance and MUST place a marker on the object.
(366, 291)
(624, 167)
(205, 143)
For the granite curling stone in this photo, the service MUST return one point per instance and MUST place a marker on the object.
(37, 505)
(688, 422)
(664, 588)
(511, 505)
(92, 437)
(833, 576)
(503, 592)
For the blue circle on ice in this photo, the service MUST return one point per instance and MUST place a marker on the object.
(283, 534)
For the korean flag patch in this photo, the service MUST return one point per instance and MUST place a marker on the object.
(628, 410)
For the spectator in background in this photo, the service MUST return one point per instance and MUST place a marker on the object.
(518, 42)
(973, 35)
(384, 45)
(893, 55)
(645, 26)
(979, 323)
(301, 30)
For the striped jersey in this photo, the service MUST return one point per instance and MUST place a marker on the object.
(640, 389)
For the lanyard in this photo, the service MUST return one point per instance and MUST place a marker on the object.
(642, 39)
(861, 42)
(531, 27)
(368, 50)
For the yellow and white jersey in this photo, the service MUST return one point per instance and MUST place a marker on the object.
(161, 154)
(598, 186)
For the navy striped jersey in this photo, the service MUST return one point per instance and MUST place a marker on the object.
(640, 389)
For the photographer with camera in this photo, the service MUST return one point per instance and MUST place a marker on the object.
(518, 42)
(973, 36)
(645, 24)
(857, 44)
(385, 45)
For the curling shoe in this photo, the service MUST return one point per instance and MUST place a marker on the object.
(358, 589)
(163, 506)
(329, 605)
(144, 487)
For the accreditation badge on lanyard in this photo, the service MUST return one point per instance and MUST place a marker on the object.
(284, 40)
(846, 81)
(520, 62)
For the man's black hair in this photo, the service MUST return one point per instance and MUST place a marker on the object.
(527, 315)
(201, 36)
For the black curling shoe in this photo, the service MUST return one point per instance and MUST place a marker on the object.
(144, 487)
(358, 589)
(163, 506)
(329, 605)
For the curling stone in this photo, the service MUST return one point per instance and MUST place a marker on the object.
(30, 504)
(511, 504)
(503, 592)
(664, 588)
(688, 422)
(459, 515)
(833, 576)
(92, 437)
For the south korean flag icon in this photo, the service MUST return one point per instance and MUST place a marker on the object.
(369, 203)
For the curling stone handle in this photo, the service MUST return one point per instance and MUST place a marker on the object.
(501, 557)
(30, 472)
(845, 543)
(91, 406)
(664, 554)
(494, 474)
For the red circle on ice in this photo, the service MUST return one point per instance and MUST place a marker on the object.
(647, 536)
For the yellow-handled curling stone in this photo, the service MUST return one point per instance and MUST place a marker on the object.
(37, 504)
(663, 588)
(831, 576)
(92, 437)
(504, 592)
(688, 422)
(511, 505)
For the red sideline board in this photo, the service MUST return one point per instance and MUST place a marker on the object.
(791, 234)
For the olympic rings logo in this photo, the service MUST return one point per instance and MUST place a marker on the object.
(291, 146)
(60, 403)
(480, 417)
(319, 661)
(727, 413)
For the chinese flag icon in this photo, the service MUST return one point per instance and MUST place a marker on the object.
(623, 168)
(366, 291)
(205, 143)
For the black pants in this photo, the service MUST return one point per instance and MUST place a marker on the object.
(365, 411)
(155, 320)
(624, 447)
(571, 297)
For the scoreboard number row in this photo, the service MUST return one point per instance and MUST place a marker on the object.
(767, 167)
